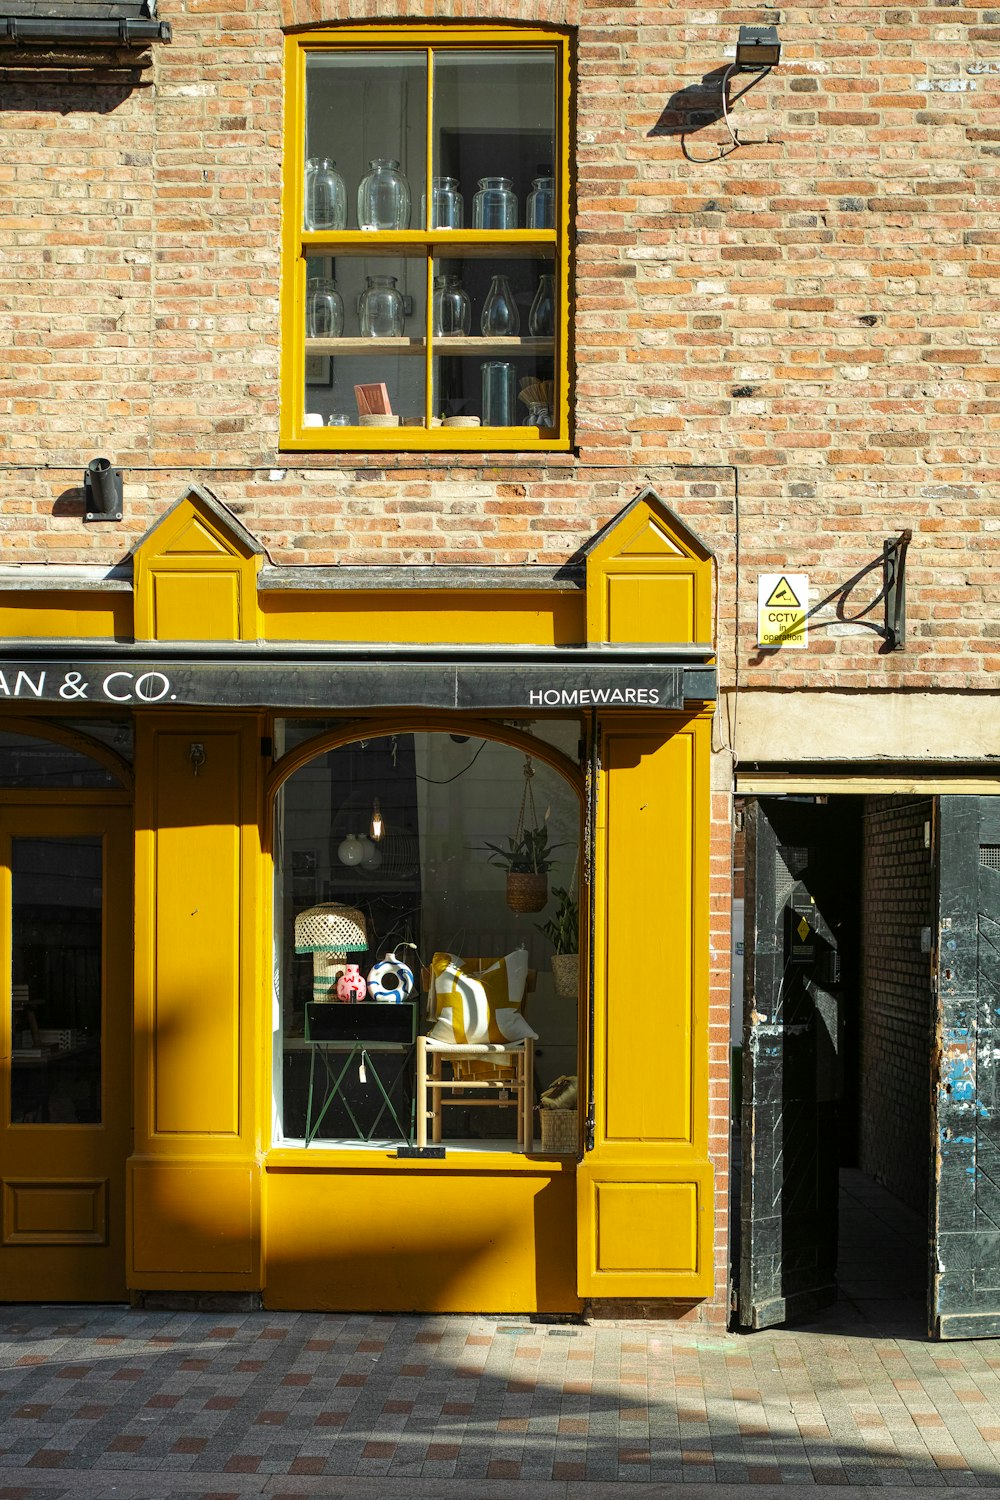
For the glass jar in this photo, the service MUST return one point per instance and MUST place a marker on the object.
(447, 204)
(542, 203)
(384, 197)
(542, 316)
(325, 195)
(452, 310)
(500, 317)
(380, 309)
(495, 205)
(499, 394)
(324, 309)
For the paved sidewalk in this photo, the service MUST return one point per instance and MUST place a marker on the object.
(119, 1403)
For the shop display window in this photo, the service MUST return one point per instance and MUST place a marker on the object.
(426, 276)
(404, 939)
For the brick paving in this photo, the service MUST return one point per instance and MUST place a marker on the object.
(128, 1403)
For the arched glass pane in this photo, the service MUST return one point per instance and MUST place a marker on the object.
(29, 763)
(407, 844)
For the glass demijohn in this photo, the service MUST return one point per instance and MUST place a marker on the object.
(500, 317)
(380, 310)
(325, 195)
(447, 204)
(384, 197)
(499, 395)
(542, 204)
(452, 309)
(324, 309)
(495, 205)
(542, 316)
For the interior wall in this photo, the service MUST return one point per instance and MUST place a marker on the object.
(896, 1009)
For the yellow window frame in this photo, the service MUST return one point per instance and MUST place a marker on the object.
(297, 242)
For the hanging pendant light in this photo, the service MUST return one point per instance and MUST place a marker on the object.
(377, 828)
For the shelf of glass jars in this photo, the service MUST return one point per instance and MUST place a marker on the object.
(452, 345)
(491, 244)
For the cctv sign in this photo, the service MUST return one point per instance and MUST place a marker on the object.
(782, 611)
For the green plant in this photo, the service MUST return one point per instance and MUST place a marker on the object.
(563, 927)
(528, 853)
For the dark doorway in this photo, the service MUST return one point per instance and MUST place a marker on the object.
(834, 1124)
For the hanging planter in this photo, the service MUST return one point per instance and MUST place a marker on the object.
(526, 891)
(528, 855)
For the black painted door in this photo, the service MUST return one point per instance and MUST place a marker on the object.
(965, 1176)
(801, 887)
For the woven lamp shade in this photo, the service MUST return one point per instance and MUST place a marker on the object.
(330, 928)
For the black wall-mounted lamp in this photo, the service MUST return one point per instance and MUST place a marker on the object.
(757, 48)
(103, 491)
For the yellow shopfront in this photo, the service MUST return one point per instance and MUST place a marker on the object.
(325, 1000)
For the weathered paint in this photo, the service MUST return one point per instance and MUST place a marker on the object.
(965, 1189)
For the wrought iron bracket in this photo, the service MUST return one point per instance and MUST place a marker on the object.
(894, 588)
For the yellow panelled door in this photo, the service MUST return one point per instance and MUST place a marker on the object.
(65, 1048)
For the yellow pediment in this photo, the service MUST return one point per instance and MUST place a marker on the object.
(195, 575)
(649, 578)
(650, 540)
(195, 539)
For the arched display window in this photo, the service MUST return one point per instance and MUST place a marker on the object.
(426, 924)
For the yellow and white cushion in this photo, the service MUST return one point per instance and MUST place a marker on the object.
(477, 1008)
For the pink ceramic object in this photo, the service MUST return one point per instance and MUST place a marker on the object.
(351, 985)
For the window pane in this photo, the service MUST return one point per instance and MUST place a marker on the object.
(503, 371)
(56, 981)
(495, 117)
(428, 880)
(365, 107)
(366, 324)
(29, 762)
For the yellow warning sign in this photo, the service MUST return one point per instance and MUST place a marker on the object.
(803, 929)
(783, 596)
(782, 610)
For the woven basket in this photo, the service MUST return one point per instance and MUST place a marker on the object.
(560, 1132)
(566, 974)
(526, 892)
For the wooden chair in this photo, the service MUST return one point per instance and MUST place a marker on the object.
(483, 1075)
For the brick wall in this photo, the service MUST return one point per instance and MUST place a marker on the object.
(896, 1005)
(803, 324)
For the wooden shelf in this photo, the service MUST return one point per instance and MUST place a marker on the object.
(442, 346)
(460, 244)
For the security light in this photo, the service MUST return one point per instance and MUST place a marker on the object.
(758, 48)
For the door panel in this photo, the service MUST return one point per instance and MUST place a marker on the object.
(65, 1098)
(799, 895)
(965, 1188)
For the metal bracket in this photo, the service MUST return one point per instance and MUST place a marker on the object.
(894, 588)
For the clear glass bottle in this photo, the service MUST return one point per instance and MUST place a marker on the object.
(325, 195)
(500, 317)
(324, 309)
(384, 197)
(499, 394)
(452, 310)
(380, 309)
(495, 205)
(542, 316)
(447, 204)
(542, 203)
